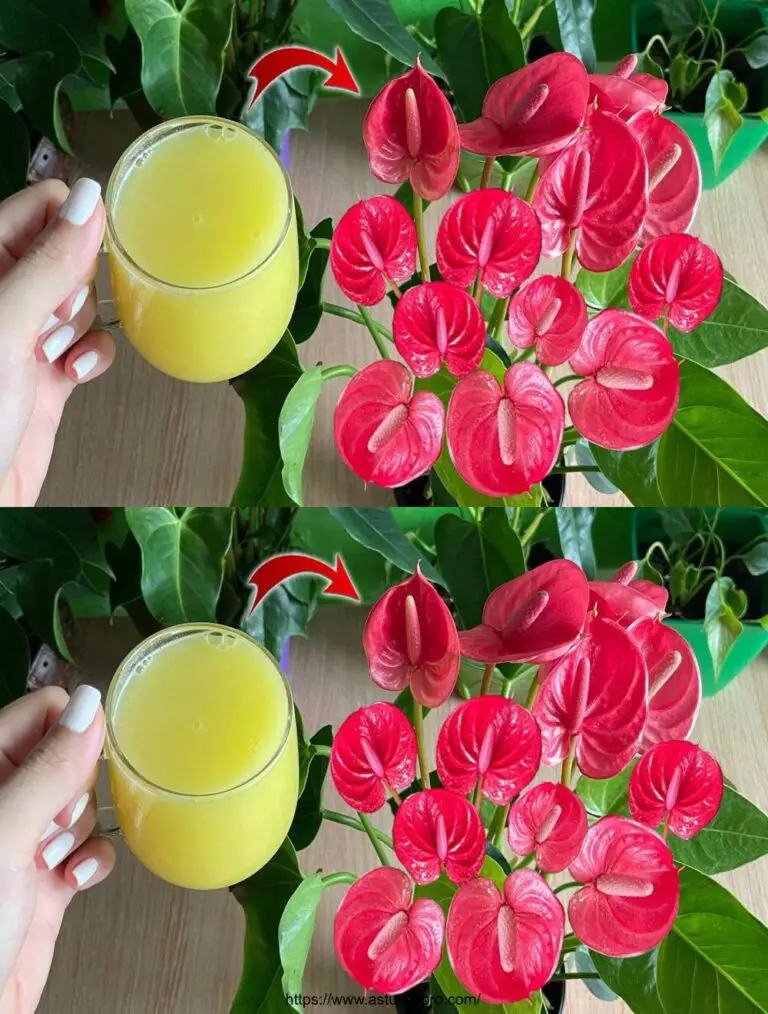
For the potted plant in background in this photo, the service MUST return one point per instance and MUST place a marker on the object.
(714, 55)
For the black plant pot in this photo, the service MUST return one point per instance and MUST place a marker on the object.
(418, 493)
(418, 999)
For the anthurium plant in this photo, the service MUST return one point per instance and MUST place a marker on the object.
(633, 320)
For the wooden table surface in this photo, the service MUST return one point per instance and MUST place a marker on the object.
(135, 945)
(136, 436)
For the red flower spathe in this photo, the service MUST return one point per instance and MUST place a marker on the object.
(439, 830)
(410, 133)
(632, 889)
(551, 313)
(384, 939)
(550, 821)
(626, 603)
(492, 740)
(633, 382)
(504, 946)
(410, 639)
(519, 427)
(374, 751)
(626, 96)
(384, 432)
(677, 782)
(373, 244)
(490, 233)
(534, 618)
(438, 323)
(677, 275)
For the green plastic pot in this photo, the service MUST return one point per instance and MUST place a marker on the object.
(736, 20)
(736, 528)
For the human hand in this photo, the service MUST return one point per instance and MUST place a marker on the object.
(49, 241)
(49, 750)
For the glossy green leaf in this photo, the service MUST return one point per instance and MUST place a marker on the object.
(756, 52)
(756, 558)
(634, 980)
(375, 21)
(680, 16)
(471, 677)
(309, 817)
(605, 796)
(723, 103)
(574, 18)
(309, 303)
(14, 153)
(606, 288)
(297, 926)
(575, 527)
(284, 106)
(183, 556)
(15, 668)
(582, 962)
(582, 455)
(683, 71)
(8, 94)
(721, 620)
(297, 418)
(264, 897)
(737, 328)
(633, 472)
(183, 49)
(375, 528)
(284, 613)
(737, 835)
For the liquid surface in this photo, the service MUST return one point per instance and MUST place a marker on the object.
(205, 713)
(202, 207)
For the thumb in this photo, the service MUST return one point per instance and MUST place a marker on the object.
(51, 775)
(50, 270)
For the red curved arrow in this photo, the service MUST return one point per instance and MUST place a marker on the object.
(272, 572)
(272, 65)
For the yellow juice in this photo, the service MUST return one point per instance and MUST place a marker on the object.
(203, 253)
(202, 753)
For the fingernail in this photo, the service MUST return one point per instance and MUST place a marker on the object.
(82, 707)
(81, 203)
(52, 321)
(79, 810)
(57, 341)
(57, 849)
(79, 301)
(85, 363)
(52, 828)
(84, 871)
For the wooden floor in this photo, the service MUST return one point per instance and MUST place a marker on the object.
(137, 946)
(136, 436)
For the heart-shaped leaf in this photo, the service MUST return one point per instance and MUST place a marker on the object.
(723, 103)
(721, 620)
(297, 417)
(297, 925)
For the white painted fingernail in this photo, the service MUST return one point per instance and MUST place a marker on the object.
(57, 342)
(52, 828)
(82, 707)
(52, 321)
(79, 301)
(84, 871)
(79, 810)
(57, 849)
(85, 363)
(82, 201)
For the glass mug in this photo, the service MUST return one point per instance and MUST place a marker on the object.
(202, 755)
(202, 247)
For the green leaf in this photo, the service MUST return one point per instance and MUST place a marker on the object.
(309, 817)
(683, 72)
(264, 897)
(375, 528)
(721, 621)
(756, 52)
(756, 559)
(8, 71)
(264, 390)
(605, 796)
(723, 103)
(716, 949)
(309, 303)
(284, 106)
(14, 153)
(297, 925)
(582, 455)
(575, 528)
(375, 21)
(284, 613)
(633, 472)
(574, 18)
(737, 835)
(605, 289)
(737, 328)
(15, 668)
(634, 980)
(582, 962)
(297, 417)
(475, 50)
(471, 676)
(476, 558)
(182, 559)
(183, 51)
(680, 16)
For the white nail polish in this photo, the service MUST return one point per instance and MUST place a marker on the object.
(57, 849)
(85, 363)
(81, 203)
(84, 871)
(57, 342)
(53, 828)
(82, 707)
(80, 808)
(52, 321)
(79, 301)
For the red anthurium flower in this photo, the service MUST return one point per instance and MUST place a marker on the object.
(633, 381)
(535, 111)
(677, 275)
(410, 133)
(597, 695)
(373, 752)
(627, 575)
(627, 601)
(518, 426)
(439, 830)
(384, 432)
(674, 682)
(384, 939)
(410, 639)
(492, 740)
(656, 85)
(550, 821)
(632, 889)
(550, 312)
(625, 96)
(597, 188)
(674, 175)
(679, 783)
(490, 233)
(373, 245)
(439, 323)
(503, 946)
(534, 618)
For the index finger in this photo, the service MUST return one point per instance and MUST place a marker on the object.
(25, 722)
(24, 215)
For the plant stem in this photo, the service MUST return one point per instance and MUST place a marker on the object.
(321, 750)
(566, 887)
(321, 243)
(485, 686)
(567, 379)
(564, 469)
(339, 371)
(370, 323)
(339, 878)
(477, 292)
(485, 179)
(565, 776)
(530, 700)
(533, 185)
(565, 976)
(370, 830)
(665, 827)
(341, 311)
(418, 724)
(463, 183)
(525, 861)
(506, 181)
(566, 266)
(496, 322)
(497, 825)
(477, 799)
(571, 943)
(341, 818)
(418, 217)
